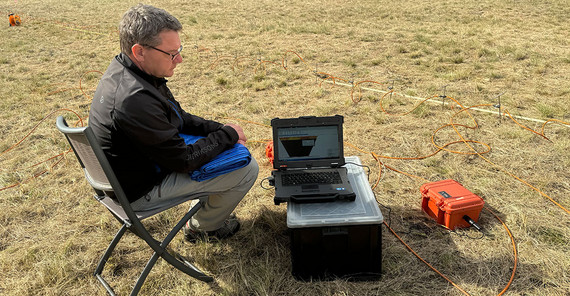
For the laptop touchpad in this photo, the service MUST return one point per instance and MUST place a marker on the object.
(310, 187)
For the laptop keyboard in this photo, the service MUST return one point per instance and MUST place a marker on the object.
(290, 179)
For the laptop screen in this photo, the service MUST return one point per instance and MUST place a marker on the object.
(306, 143)
(302, 143)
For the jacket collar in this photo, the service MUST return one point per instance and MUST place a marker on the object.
(126, 61)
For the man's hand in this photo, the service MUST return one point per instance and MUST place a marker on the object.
(242, 139)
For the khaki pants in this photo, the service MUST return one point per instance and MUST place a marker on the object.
(223, 194)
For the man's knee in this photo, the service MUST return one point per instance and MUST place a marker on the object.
(254, 168)
(252, 171)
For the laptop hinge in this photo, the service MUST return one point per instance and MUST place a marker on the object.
(308, 168)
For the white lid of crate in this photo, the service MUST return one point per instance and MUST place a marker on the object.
(363, 210)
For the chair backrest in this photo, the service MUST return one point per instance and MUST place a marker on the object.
(100, 174)
(80, 139)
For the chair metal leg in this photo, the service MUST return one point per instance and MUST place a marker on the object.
(106, 285)
(177, 261)
(180, 264)
(144, 274)
(106, 256)
(183, 265)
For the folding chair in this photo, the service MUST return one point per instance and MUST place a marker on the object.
(108, 192)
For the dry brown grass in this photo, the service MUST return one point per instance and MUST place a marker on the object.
(52, 233)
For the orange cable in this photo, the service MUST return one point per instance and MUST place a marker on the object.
(543, 126)
(217, 61)
(36, 126)
(360, 89)
(513, 243)
(325, 76)
(523, 126)
(262, 63)
(380, 164)
(81, 79)
(424, 261)
(285, 56)
(80, 121)
(405, 113)
(553, 121)
(515, 252)
(237, 60)
(61, 155)
(500, 167)
(460, 141)
(61, 90)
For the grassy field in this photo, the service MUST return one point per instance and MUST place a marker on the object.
(339, 58)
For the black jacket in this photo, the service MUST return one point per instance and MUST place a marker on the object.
(137, 121)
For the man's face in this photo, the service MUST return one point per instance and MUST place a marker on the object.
(158, 60)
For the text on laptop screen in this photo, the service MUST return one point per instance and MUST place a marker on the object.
(307, 143)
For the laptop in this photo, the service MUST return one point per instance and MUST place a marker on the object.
(309, 159)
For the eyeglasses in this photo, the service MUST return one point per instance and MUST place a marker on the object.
(172, 56)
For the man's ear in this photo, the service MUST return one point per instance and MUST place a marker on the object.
(137, 51)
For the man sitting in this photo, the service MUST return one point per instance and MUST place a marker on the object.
(137, 122)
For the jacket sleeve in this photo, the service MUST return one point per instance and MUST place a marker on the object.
(147, 125)
(196, 125)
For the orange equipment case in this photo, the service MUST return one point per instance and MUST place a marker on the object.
(448, 202)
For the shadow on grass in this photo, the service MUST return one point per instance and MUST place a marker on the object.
(482, 262)
(258, 259)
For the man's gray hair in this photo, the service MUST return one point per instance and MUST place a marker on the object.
(142, 23)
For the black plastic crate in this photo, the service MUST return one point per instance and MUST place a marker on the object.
(340, 238)
(324, 253)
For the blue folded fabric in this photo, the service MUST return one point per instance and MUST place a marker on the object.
(228, 161)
